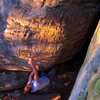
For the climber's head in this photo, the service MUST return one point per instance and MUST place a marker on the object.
(28, 88)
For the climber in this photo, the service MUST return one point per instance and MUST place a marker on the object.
(35, 83)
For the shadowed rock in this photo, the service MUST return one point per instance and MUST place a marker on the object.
(12, 80)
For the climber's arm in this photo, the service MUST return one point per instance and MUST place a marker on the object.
(30, 76)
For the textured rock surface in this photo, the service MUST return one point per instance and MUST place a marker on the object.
(51, 31)
(89, 70)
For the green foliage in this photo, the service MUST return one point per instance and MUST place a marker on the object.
(97, 87)
(82, 96)
(94, 90)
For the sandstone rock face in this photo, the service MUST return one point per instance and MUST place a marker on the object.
(88, 80)
(50, 31)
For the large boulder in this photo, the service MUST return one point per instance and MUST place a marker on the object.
(50, 31)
